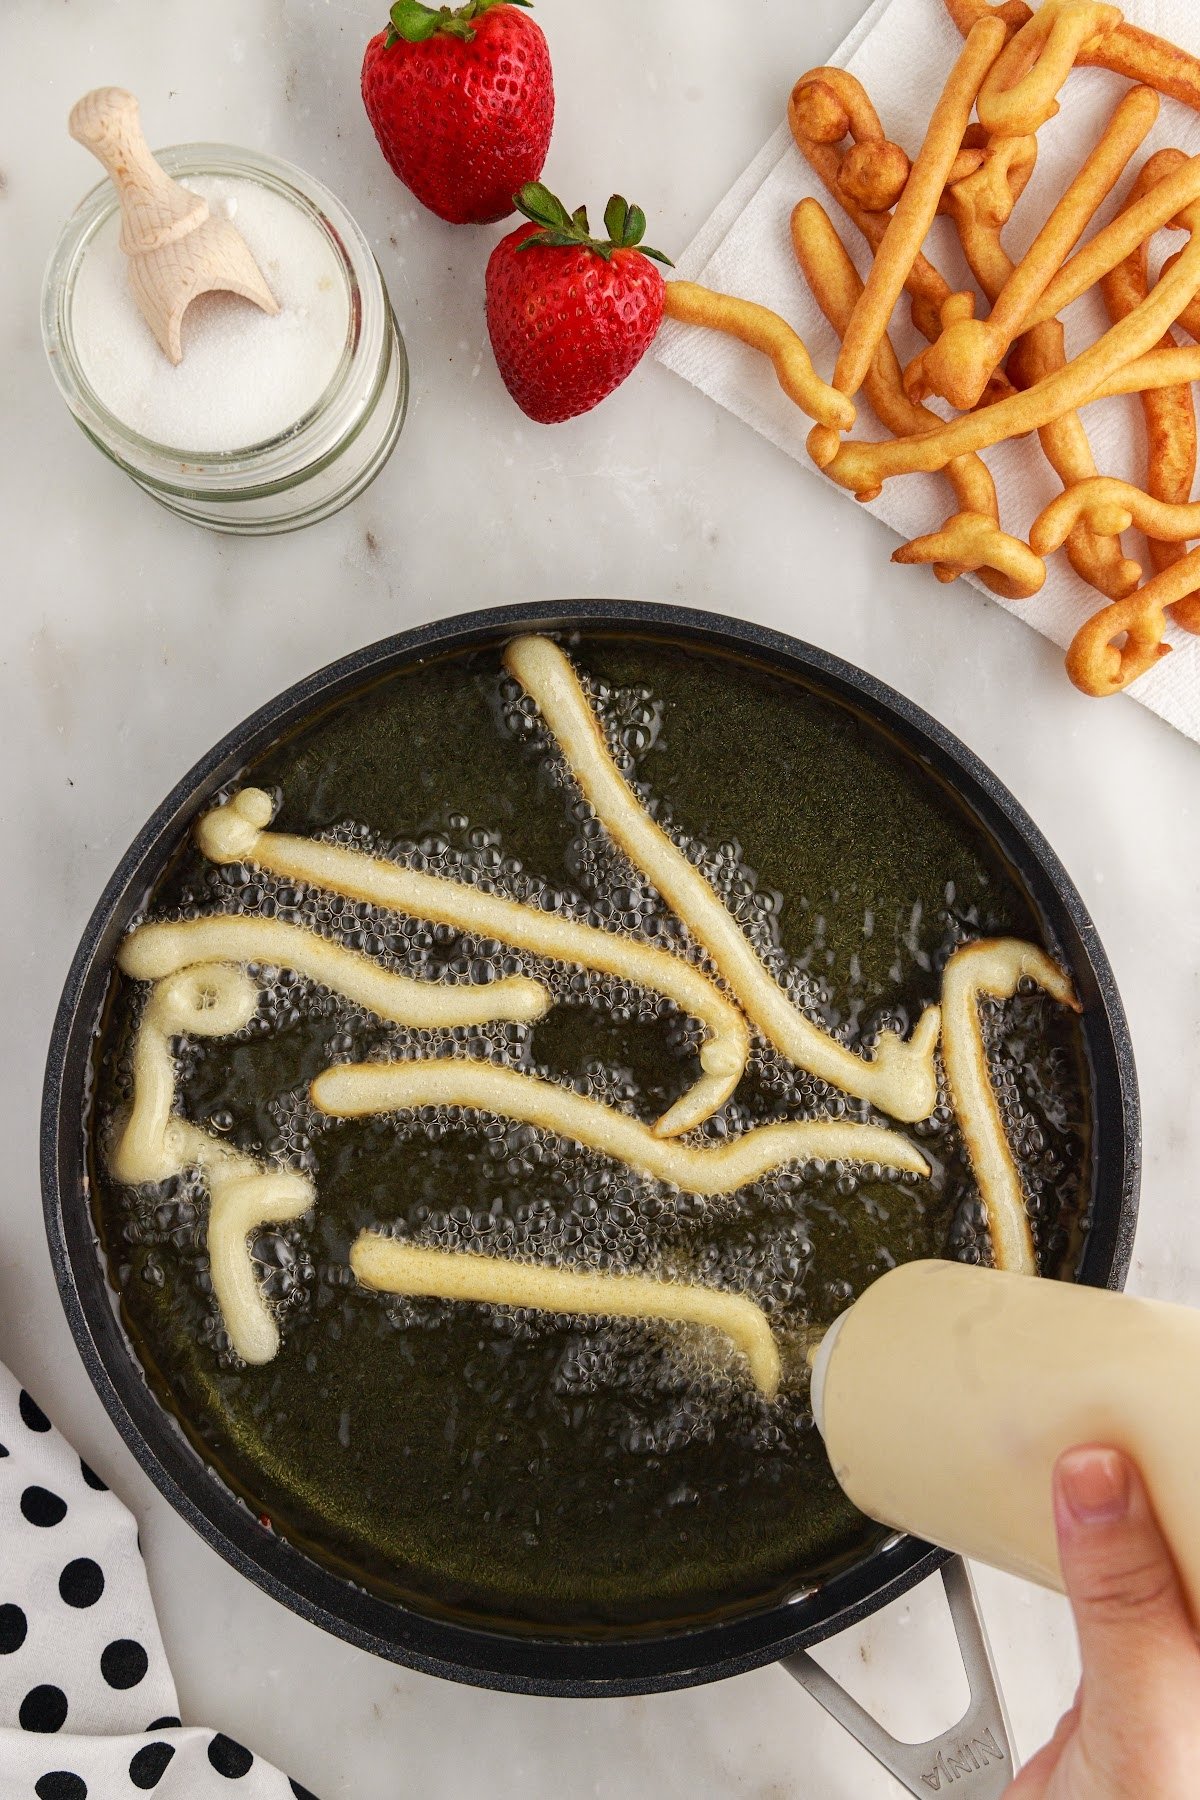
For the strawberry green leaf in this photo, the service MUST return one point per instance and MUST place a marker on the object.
(548, 236)
(413, 22)
(543, 207)
(656, 254)
(625, 224)
(615, 215)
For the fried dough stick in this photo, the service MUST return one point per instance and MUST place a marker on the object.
(1019, 93)
(160, 948)
(980, 204)
(864, 467)
(900, 1079)
(917, 205)
(1126, 49)
(1169, 201)
(357, 1090)
(1094, 662)
(972, 539)
(390, 1266)
(1189, 318)
(829, 104)
(1156, 369)
(992, 967)
(825, 106)
(968, 352)
(761, 329)
(1170, 413)
(155, 1144)
(236, 832)
(1099, 665)
(1108, 500)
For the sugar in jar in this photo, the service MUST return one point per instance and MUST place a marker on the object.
(269, 422)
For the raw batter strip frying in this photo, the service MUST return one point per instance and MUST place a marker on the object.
(992, 967)
(211, 1000)
(900, 1079)
(390, 1265)
(354, 1090)
(236, 832)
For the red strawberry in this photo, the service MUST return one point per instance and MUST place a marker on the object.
(570, 316)
(462, 103)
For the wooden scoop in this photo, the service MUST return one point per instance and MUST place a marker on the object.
(176, 249)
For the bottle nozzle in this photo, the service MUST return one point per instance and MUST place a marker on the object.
(819, 1362)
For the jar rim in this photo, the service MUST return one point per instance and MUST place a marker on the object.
(310, 438)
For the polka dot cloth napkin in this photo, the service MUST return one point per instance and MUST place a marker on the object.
(87, 1703)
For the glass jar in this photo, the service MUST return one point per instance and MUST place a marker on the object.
(322, 459)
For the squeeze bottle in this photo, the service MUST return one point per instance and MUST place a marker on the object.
(946, 1393)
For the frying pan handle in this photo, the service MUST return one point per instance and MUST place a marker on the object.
(975, 1758)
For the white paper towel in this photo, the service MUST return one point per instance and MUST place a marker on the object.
(902, 51)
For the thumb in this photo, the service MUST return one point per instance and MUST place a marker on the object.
(1129, 1605)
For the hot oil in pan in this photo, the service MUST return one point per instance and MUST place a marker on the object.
(503, 1465)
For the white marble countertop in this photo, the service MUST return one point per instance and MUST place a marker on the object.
(132, 641)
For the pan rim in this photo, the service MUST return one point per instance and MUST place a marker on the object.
(548, 1666)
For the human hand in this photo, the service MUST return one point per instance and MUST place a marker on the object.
(1133, 1732)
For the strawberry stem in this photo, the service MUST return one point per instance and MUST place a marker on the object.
(558, 228)
(414, 23)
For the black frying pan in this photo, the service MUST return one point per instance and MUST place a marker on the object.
(489, 1657)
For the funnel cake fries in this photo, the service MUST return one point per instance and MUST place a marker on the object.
(972, 538)
(236, 832)
(1099, 666)
(826, 106)
(1170, 413)
(863, 468)
(392, 1266)
(155, 1144)
(155, 950)
(917, 206)
(1126, 49)
(1108, 500)
(1156, 369)
(1097, 557)
(985, 184)
(964, 358)
(761, 329)
(1021, 88)
(1169, 202)
(971, 543)
(1094, 663)
(1007, 374)
(355, 1090)
(980, 204)
(1189, 318)
(900, 1079)
(992, 967)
